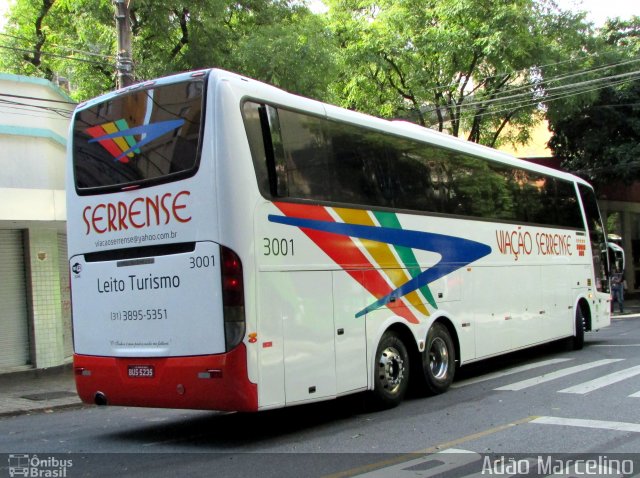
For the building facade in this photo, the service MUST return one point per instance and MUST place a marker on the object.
(35, 317)
(620, 207)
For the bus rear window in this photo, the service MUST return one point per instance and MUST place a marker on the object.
(140, 138)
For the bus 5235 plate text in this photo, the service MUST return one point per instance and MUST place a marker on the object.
(139, 314)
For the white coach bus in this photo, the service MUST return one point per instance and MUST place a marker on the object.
(237, 247)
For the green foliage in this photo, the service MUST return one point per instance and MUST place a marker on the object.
(598, 134)
(451, 64)
(277, 41)
(613, 223)
(74, 39)
(601, 141)
(488, 70)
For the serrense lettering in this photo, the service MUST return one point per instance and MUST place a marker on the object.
(138, 213)
(522, 243)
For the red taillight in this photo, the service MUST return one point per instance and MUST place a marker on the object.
(232, 297)
(232, 283)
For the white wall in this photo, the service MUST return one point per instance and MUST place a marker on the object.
(33, 141)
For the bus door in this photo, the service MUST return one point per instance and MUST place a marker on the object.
(600, 258)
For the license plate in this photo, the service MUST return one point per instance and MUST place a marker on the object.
(141, 371)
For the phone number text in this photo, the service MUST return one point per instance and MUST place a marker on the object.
(140, 314)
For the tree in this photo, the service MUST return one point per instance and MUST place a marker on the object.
(280, 42)
(597, 135)
(65, 38)
(277, 41)
(467, 67)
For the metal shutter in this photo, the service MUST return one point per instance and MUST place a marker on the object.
(14, 322)
(65, 294)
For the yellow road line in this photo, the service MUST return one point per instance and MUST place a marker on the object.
(434, 449)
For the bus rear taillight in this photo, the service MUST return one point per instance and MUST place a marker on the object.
(232, 298)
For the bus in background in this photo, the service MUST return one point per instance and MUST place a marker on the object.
(616, 253)
(237, 247)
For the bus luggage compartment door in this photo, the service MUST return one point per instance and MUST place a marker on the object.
(156, 306)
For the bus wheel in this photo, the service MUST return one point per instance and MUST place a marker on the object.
(392, 371)
(438, 359)
(578, 339)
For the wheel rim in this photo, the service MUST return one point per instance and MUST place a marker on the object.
(438, 358)
(391, 367)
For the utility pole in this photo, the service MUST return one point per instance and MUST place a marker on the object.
(124, 65)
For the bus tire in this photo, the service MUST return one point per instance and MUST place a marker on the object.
(438, 360)
(577, 341)
(391, 375)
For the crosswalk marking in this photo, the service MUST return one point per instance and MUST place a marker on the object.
(443, 463)
(635, 395)
(600, 382)
(555, 375)
(446, 459)
(509, 371)
(579, 422)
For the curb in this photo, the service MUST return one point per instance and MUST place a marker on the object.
(35, 373)
(43, 410)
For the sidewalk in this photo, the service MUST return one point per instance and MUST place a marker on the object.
(631, 307)
(47, 390)
(41, 390)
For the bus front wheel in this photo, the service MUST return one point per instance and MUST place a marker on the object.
(391, 376)
(438, 359)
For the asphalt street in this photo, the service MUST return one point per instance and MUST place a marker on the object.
(548, 400)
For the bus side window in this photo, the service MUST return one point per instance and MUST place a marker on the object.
(262, 125)
(253, 128)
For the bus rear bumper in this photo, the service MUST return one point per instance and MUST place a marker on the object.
(208, 382)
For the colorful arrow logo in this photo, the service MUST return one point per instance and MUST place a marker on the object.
(336, 239)
(118, 138)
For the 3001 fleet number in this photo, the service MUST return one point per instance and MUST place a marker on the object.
(199, 262)
(274, 246)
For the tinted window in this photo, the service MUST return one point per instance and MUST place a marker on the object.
(148, 135)
(308, 157)
(596, 236)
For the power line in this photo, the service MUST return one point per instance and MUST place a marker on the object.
(40, 115)
(24, 50)
(573, 86)
(553, 97)
(31, 107)
(532, 93)
(541, 85)
(38, 99)
(527, 71)
(555, 79)
(88, 53)
(547, 93)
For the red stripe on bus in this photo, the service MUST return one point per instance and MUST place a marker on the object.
(178, 382)
(344, 252)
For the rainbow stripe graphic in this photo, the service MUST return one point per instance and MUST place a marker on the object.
(389, 269)
(118, 138)
(115, 146)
